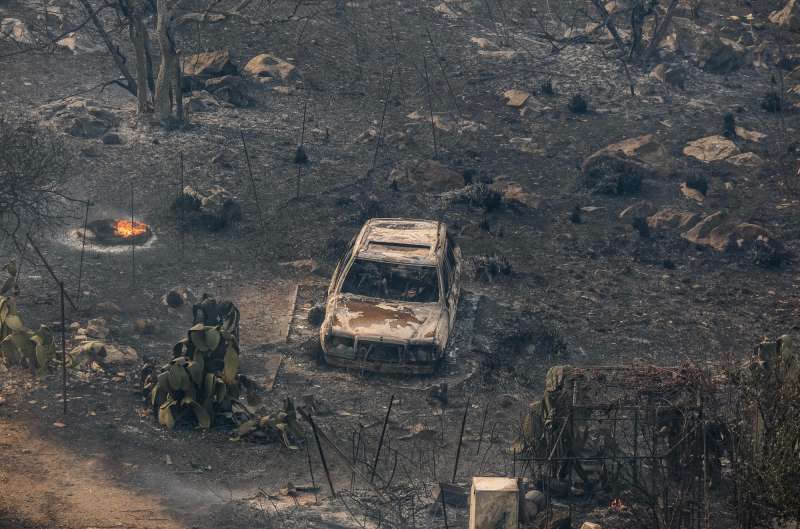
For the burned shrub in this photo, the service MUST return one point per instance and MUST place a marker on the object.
(614, 175)
(515, 342)
(772, 102)
(369, 207)
(479, 196)
(490, 267)
(697, 181)
(768, 253)
(213, 210)
(33, 163)
(642, 228)
(546, 88)
(729, 125)
(578, 104)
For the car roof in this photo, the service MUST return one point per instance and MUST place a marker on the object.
(405, 241)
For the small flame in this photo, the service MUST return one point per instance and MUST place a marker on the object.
(617, 504)
(127, 229)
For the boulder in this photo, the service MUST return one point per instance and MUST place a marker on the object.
(195, 18)
(641, 210)
(212, 210)
(711, 52)
(747, 161)
(267, 65)
(201, 101)
(787, 18)
(79, 117)
(591, 525)
(111, 138)
(97, 328)
(120, 355)
(670, 74)
(15, 30)
(620, 168)
(670, 219)
(692, 193)
(231, 89)
(427, 175)
(515, 98)
(513, 194)
(723, 234)
(209, 64)
(711, 149)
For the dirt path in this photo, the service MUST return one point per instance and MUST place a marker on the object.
(44, 484)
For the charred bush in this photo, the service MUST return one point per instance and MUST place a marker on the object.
(491, 267)
(697, 181)
(480, 196)
(642, 228)
(611, 175)
(515, 343)
(729, 125)
(578, 104)
(546, 88)
(33, 163)
(772, 102)
(768, 253)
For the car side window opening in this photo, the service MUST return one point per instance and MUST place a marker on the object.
(391, 281)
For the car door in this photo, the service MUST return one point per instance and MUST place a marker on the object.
(452, 267)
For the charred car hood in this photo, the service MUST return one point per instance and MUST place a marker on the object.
(393, 321)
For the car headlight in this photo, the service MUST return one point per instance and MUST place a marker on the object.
(422, 353)
(341, 346)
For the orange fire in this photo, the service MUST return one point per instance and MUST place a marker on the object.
(127, 229)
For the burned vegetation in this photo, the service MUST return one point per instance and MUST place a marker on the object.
(315, 264)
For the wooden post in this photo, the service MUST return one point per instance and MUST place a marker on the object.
(430, 106)
(63, 351)
(133, 247)
(83, 249)
(460, 440)
(380, 443)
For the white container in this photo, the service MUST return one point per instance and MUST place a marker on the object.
(494, 503)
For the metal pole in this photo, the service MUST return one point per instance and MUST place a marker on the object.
(380, 443)
(50, 270)
(311, 471)
(63, 351)
(444, 508)
(460, 440)
(321, 454)
(430, 106)
(133, 246)
(83, 249)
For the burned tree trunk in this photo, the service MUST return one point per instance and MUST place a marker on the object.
(168, 79)
(139, 38)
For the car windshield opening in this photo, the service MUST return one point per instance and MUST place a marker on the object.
(392, 281)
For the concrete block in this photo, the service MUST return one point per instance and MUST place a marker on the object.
(494, 503)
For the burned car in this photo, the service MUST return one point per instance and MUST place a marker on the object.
(392, 301)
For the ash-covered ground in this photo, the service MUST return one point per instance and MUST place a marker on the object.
(403, 109)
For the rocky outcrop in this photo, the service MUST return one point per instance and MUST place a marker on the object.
(787, 18)
(723, 234)
(711, 149)
(711, 52)
(671, 219)
(15, 30)
(620, 168)
(427, 175)
(268, 67)
(79, 117)
(232, 89)
(209, 64)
